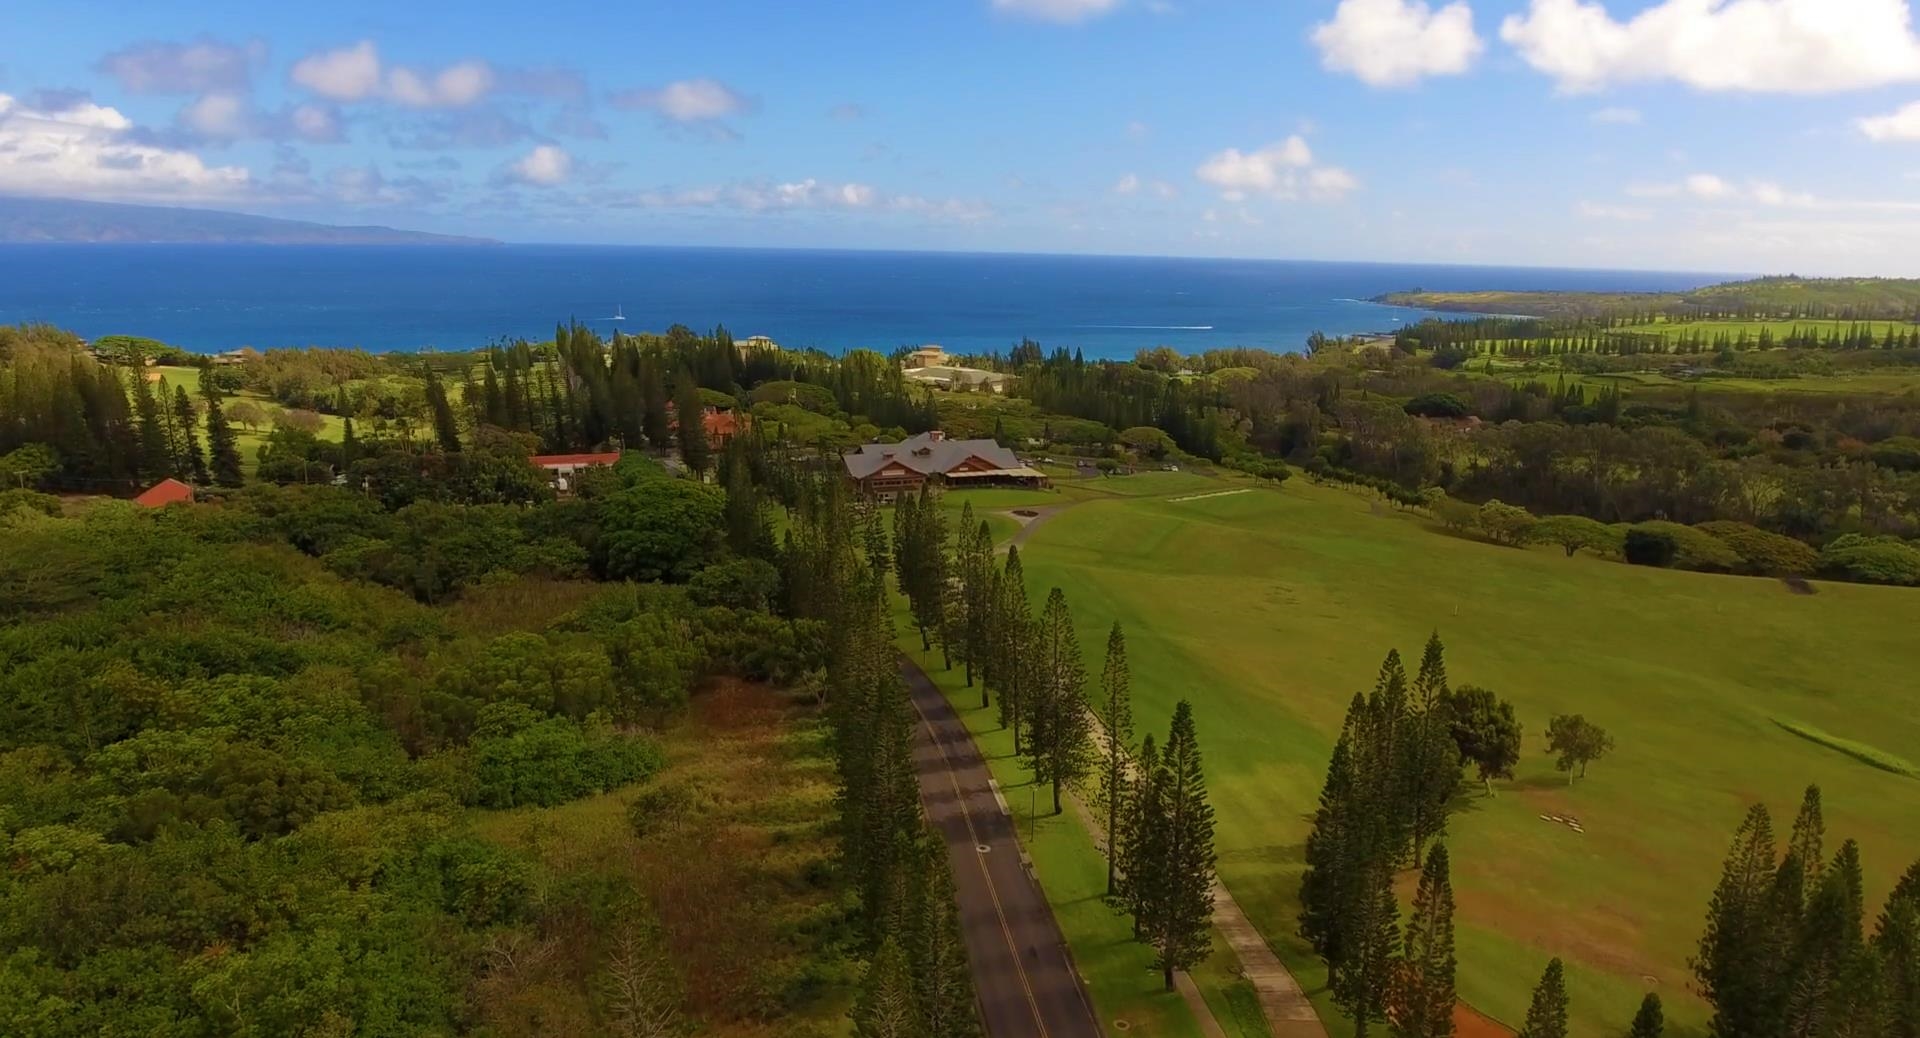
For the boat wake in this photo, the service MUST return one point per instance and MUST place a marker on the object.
(1145, 327)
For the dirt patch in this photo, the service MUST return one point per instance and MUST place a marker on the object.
(1026, 513)
(1469, 1022)
(729, 704)
(1799, 586)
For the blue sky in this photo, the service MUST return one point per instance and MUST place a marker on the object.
(1776, 135)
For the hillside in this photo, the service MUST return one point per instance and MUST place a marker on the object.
(1778, 296)
(68, 220)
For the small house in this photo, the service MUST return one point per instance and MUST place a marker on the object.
(166, 492)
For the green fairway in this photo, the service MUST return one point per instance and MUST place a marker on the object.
(1269, 609)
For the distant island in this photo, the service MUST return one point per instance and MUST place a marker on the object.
(1786, 296)
(54, 220)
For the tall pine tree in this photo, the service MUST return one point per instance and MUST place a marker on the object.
(193, 460)
(1013, 647)
(223, 447)
(1736, 962)
(1430, 759)
(936, 952)
(1116, 719)
(887, 1006)
(1059, 737)
(1142, 868)
(446, 430)
(1423, 986)
(690, 416)
(1650, 1021)
(1547, 1015)
(1181, 908)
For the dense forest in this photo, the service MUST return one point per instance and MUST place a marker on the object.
(246, 743)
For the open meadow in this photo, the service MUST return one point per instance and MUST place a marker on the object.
(1269, 608)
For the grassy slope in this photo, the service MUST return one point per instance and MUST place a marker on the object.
(1269, 610)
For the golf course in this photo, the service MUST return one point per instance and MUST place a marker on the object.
(1269, 608)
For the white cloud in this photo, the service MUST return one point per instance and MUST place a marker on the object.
(202, 66)
(1780, 46)
(1617, 116)
(1138, 131)
(356, 73)
(1064, 11)
(87, 150)
(1708, 186)
(455, 86)
(219, 115)
(222, 117)
(316, 123)
(1283, 170)
(1127, 185)
(1601, 211)
(544, 166)
(801, 195)
(687, 100)
(1386, 43)
(348, 74)
(1900, 125)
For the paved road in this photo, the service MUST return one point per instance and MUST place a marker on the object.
(1026, 983)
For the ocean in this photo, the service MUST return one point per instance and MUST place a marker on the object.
(210, 298)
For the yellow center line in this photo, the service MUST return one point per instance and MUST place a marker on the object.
(992, 893)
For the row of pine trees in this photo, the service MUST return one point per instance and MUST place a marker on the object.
(101, 425)
(1786, 954)
(1149, 801)
(917, 983)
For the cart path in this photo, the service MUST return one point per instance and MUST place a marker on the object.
(1023, 975)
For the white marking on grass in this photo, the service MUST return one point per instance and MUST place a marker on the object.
(1203, 497)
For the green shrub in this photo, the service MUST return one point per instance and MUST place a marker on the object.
(1900, 453)
(1438, 405)
(28, 501)
(1575, 532)
(1872, 560)
(1649, 548)
(1504, 523)
(667, 806)
(1692, 549)
(1761, 551)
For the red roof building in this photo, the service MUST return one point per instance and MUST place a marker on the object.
(166, 492)
(721, 426)
(566, 464)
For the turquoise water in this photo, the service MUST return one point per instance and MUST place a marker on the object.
(217, 297)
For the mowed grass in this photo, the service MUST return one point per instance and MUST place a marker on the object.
(1270, 609)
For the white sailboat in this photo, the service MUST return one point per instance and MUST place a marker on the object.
(618, 315)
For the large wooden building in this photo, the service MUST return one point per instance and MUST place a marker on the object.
(885, 470)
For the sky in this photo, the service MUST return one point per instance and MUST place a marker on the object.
(1760, 135)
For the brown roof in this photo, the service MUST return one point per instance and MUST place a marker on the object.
(927, 453)
(549, 461)
(165, 492)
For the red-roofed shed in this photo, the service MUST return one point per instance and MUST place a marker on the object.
(568, 463)
(165, 492)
